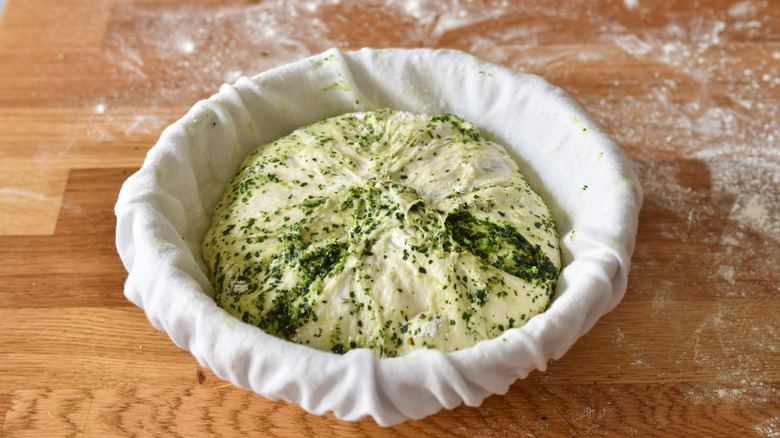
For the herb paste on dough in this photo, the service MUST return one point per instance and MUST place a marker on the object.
(384, 230)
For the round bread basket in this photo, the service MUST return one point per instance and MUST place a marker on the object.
(164, 210)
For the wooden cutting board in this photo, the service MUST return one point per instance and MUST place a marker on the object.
(690, 91)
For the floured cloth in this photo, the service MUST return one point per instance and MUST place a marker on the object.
(164, 211)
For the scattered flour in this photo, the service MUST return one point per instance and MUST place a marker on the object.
(414, 8)
(754, 212)
(769, 428)
(716, 122)
(727, 272)
(741, 10)
(187, 46)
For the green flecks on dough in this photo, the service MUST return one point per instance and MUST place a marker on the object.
(500, 246)
(382, 230)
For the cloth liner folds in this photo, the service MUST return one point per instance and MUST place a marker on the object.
(164, 210)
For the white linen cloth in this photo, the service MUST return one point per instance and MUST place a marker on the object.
(164, 210)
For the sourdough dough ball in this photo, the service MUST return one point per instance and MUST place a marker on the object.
(384, 230)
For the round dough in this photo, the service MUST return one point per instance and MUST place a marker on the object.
(385, 230)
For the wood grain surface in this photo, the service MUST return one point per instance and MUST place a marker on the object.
(690, 90)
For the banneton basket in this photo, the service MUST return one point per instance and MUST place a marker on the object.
(164, 210)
